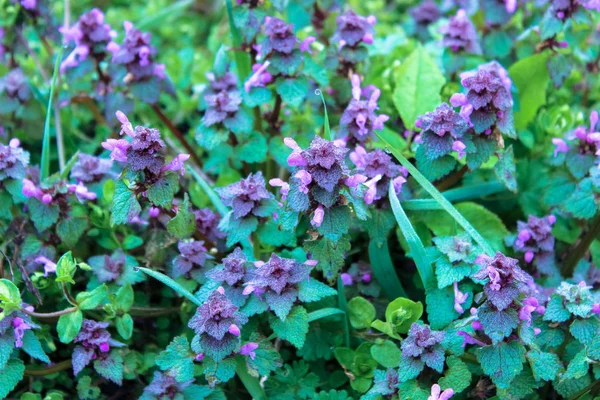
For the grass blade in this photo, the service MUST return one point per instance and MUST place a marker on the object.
(437, 196)
(172, 284)
(417, 251)
(384, 271)
(251, 384)
(460, 194)
(169, 13)
(45, 159)
(326, 126)
(343, 305)
(65, 172)
(324, 313)
(212, 195)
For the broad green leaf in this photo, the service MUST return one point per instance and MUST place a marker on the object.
(294, 328)
(65, 268)
(69, 325)
(418, 85)
(184, 223)
(91, 300)
(360, 313)
(530, 75)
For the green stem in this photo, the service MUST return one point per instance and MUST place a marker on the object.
(251, 384)
(577, 252)
(61, 366)
(172, 284)
(51, 315)
(152, 312)
(592, 387)
(343, 305)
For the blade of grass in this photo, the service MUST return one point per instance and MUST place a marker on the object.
(437, 196)
(326, 126)
(45, 159)
(324, 313)
(212, 195)
(384, 271)
(454, 195)
(168, 13)
(65, 172)
(251, 384)
(417, 251)
(172, 284)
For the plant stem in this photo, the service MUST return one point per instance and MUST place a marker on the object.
(51, 315)
(276, 111)
(593, 386)
(251, 384)
(152, 312)
(61, 366)
(577, 252)
(452, 179)
(180, 136)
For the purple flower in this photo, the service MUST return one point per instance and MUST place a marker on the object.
(378, 164)
(94, 341)
(191, 253)
(584, 140)
(226, 82)
(460, 34)
(90, 169)
(91, 36)
(281, 37)
(49, 265)
(117, 268)
(561, 146)
(535, 236)
(233, 269)
(260, 77)
(346, 279)
(176, 165)
(468, 339)
(424, 344)
(248, 349)
(285, 187)
(437, 394)
(443, 121)
(15, 85)
(82, 192)
(118, 149)
(245, 197)
(459, 299)
(505, 279)
(424, 14)
(207, 222)
(317, 218)
(221, 107)
(305, 44)
(13, 160)
(359, 118)
(19, 328)
(353, 29)
(165, 386)
(530, 305)
(136, 54)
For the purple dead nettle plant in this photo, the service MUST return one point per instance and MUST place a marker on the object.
(422, 347)
(424, 14)
(232, 272)
(15, 325)
(13, 160)
(534, 238)
(118, 268)
(94, 343)
(582, 142)
(352, 33)
(460, 34)
(165, 386)
(207, 225)
(277, 281)
(90, 169)
(359, 121)
(191, 253)
(442, 132)
(14, 90)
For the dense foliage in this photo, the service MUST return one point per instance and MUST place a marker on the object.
(299, 199)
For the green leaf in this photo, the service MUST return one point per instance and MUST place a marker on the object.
(505, 169)
(161, 192)
(124, 205)
(578, 367)
(294, 328)
(360, 313)
(400, 314)
(85, 390)
(331, 254)
(384, 270)
(457, 376)
(418, 85)
(33, 347)
(292, 90)
(12, 374)
(178, 358)
(530, 75)
(184, 223)
(45, 157)
(111, 367)
(440, 307)
(446, 205)
(336, 222)
(314, 290)
(70, 229)
(212, 195)
(545, 366)
(69, 325)
(238, 230)
(124, 297)
(324, 313)
(172, 284)
(7, 345)
(555, 310)
(585, 330)
(91, 300)
(10, 298)
(502, 362)
(65, 268)
(43, 215)
(417, 251)
(124, 325)
(386, 353)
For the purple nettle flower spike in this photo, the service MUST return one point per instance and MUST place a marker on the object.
(118, 149)
(13, 160)
(221, 107)
(459, 299)
(165, 386)
(88, 168)
(505, 279)
(353, 29)
(460, 34)
(227, 82)
(324, 162)
(137, 55)
(317, 219)
(530, 305)
(586, 141)
(245, 197)
(285, 187)
(233, 270)
(15, 85)
(424, 14)
(191, 253)
(437, 394)
(94, 342)
(91, 36)
(207, 224)
(423, 345)
(535, 238)
(359, 118)
(176, 165)
(281, 37)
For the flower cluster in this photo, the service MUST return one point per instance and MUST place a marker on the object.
(488, 102)
(577, 299)
(94, 344)
(379, 169)
(352, 33)
(277, 280)
(217, 325)
(581, 142)
(424, 14)
(207, 225)
(15, 89)
(13, 160)
(246, 197)
(91, 36)
(118, 268)
(88, 168)
(137, 54)
(442, 132)
(359, 119)
(222, 108)
(460, 34)
(143, 153)
(16, 323)
(535, 239)
(191, 253)
(164, 386)
(423, 347)
(233, 269)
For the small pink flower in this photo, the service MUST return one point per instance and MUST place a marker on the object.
(285, 187)
(366, 278)
(248, 349)
(154, 212)
(257, 79)
(305, 44)
(355, 180)
(234, 330)
(176, 165)
(118, 149)
(372, 189)
(49, 266)
(459, 299)
(14, 143)
(82, 192)
(476, 325)
(199, 357)
(346, 279)
(437, 394)
(221, 290)
(30, 190)
(47, 198)
(459, 147)
(104, 347)
(596, 308)
(19, 328)
(529, 256)
(398, 182)
(305, 180)
(358, 157)
(318, 215)
(459, 100)
(126, 126)
(311, 262)
(561, 146)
